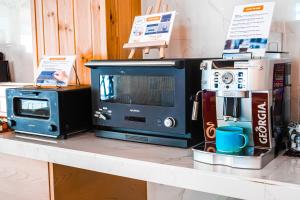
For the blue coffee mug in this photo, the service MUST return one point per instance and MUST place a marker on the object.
(230, 139)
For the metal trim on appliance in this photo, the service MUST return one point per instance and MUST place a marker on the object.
(130, 63)
(51, 136)
(38, 134)
(234, 161)
(144, 138)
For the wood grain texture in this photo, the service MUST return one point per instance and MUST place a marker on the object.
(78, 184)
(23, 179)
(83, 37)
(121, 15)
(99, 35)
(66, 30)
(51, 36)
(66, 27)
(37, 12)
(90, 29)
(34, 33)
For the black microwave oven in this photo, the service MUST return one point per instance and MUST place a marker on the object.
(148, 101)
(52, 112)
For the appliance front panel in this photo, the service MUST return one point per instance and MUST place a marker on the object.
(33, 112)
(142, 98)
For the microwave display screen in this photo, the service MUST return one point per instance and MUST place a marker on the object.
(139, 90)
(32, 108)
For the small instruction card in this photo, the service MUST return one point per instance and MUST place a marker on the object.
(55, 70)
(249, 29)
(154, 27)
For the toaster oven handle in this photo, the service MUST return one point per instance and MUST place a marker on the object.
(30, 93)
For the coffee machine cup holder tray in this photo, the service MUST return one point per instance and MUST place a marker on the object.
(248, 158)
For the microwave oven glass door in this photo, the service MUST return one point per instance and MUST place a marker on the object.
(32, 108)
(138, 89)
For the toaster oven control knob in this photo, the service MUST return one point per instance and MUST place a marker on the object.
(11, 123)
(169, 122)
(52, 128)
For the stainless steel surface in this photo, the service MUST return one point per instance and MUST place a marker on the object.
(259, 76)
(243, 162)
(240, 94)
(195, 110)
(246, 111)
(131, 63)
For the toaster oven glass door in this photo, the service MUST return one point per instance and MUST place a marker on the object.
(138, 89)
(35, 108)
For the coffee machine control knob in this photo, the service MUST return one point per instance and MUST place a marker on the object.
(227, 78)
(169, 122)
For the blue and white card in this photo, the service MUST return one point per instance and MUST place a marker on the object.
(55, 71)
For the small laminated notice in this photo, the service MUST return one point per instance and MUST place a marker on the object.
(249, 29)
(55, 71)
(154, 27)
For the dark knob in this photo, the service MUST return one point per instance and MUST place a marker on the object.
(11, 123)
(52, 128)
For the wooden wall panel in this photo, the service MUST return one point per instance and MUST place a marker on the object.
(83, 37)
(78, 184)
(121, 15)
(51, 38)
(66, 30)
(99, 29)
(91, 29)
(23, 179)
(66, 27)
(37, 6)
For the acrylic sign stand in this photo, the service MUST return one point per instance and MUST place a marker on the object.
(146, 46)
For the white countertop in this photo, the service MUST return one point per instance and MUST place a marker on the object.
(280, 179)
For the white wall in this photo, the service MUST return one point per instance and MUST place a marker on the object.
(201, 27)
(16, 38)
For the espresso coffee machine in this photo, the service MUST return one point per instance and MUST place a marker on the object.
(250, 93)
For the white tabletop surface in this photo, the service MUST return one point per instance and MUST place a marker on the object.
(280, 179)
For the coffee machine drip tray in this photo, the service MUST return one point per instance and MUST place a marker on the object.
(249, 158)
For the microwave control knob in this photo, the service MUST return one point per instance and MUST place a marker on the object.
(11, 123)
(52, 128)
(169, 122)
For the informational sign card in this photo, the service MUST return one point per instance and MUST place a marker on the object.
(55, 70)
(249, 29)
(154, 27)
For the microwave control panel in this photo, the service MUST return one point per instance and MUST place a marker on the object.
(104, 113)
(229, 79)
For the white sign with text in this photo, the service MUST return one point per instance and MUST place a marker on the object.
(249, 29)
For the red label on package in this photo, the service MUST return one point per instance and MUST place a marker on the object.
(260, 120)
(209, 113)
